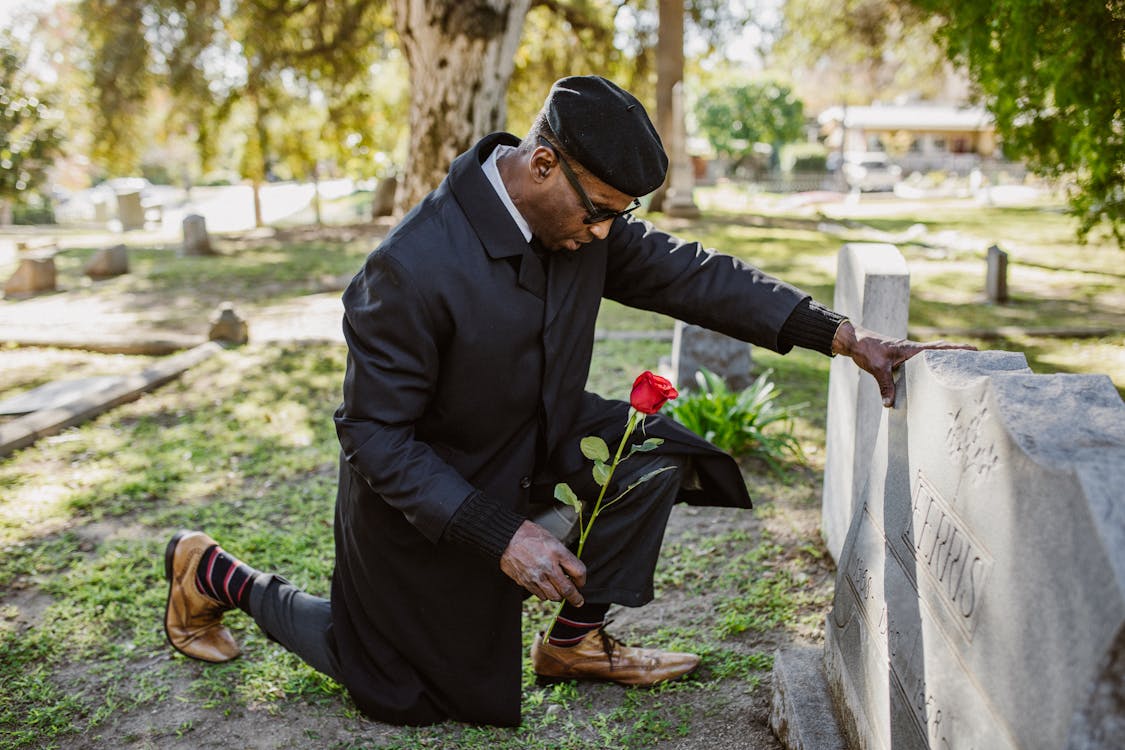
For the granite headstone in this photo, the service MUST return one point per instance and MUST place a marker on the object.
(980, 594)
(873, 290)
(695, 348)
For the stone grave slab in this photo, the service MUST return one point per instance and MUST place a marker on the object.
(32, 276)
(23, 431)
(57, 393)
(107, 262)
(695, 348)
(980, 594)
(873, 290)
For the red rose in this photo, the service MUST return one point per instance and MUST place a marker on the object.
(650, 392)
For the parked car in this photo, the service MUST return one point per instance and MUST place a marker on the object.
(870, 171)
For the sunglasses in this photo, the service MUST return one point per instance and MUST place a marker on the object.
(594, 214)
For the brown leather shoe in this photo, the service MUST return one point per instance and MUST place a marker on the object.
(600, 656)
(193, 621)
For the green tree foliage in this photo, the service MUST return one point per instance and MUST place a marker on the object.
(30, 135)
(215, 57)
(858, 51)
(612, 38)
(1053, 74)
(120, 80)
(734, 116)
(561, 38)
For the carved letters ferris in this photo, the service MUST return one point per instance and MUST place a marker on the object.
(954, 560)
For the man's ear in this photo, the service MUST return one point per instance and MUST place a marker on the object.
(542, 161)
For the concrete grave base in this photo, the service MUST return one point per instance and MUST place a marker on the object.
(801, 712)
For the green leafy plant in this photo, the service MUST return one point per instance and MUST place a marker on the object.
(750, 422)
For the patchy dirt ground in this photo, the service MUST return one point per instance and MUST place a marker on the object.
(737, 717)
(734, 715)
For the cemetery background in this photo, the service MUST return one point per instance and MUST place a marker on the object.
(243, 446)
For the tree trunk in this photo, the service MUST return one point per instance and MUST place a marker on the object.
(319, 219)
(461, 55)
(669, 72)
(256, 185)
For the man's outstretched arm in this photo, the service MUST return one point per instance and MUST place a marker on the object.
(880, 355)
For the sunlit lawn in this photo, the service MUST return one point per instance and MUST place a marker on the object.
(243, 445)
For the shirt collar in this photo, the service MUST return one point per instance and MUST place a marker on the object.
(492, 172)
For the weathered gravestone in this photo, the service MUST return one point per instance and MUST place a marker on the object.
(228, 326)
(873, 290)
(107, 262)
(57, 393)
(130, 211)
(695, 348)
(32, 276)
(383, 202)
(980, 595)
(996, 275)
(196, 239)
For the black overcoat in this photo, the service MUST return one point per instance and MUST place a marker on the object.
(463, 350)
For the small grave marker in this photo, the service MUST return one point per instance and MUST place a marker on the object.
(196, 239)
(996, 279)
(32, 276)
(107, 262)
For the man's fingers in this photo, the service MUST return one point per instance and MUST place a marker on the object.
(575, 569)
(574, 576)
(954, 345)
(572, 595)
(541, 564)
(886, 382)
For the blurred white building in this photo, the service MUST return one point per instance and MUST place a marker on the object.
(916, 137)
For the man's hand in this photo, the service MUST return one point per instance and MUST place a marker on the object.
(541, 564)
(880, 355)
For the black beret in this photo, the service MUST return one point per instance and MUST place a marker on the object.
(608, 132)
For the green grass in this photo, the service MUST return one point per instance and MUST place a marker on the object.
(243, 446)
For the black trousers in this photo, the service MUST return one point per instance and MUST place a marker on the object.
(620, 554)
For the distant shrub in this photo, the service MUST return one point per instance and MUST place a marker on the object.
(747, 423)
(803, 157)
(157, 174)
(25, 214)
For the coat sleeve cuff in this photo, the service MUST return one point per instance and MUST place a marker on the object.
(483, 525)
(811, 325)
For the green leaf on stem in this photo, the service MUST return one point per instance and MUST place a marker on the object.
(637, 483)
(648, 445)
(594, 448)
(601, 472)
(649, 476)
(566, 496)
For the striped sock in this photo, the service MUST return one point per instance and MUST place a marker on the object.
(574, 623)
(225, 578)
